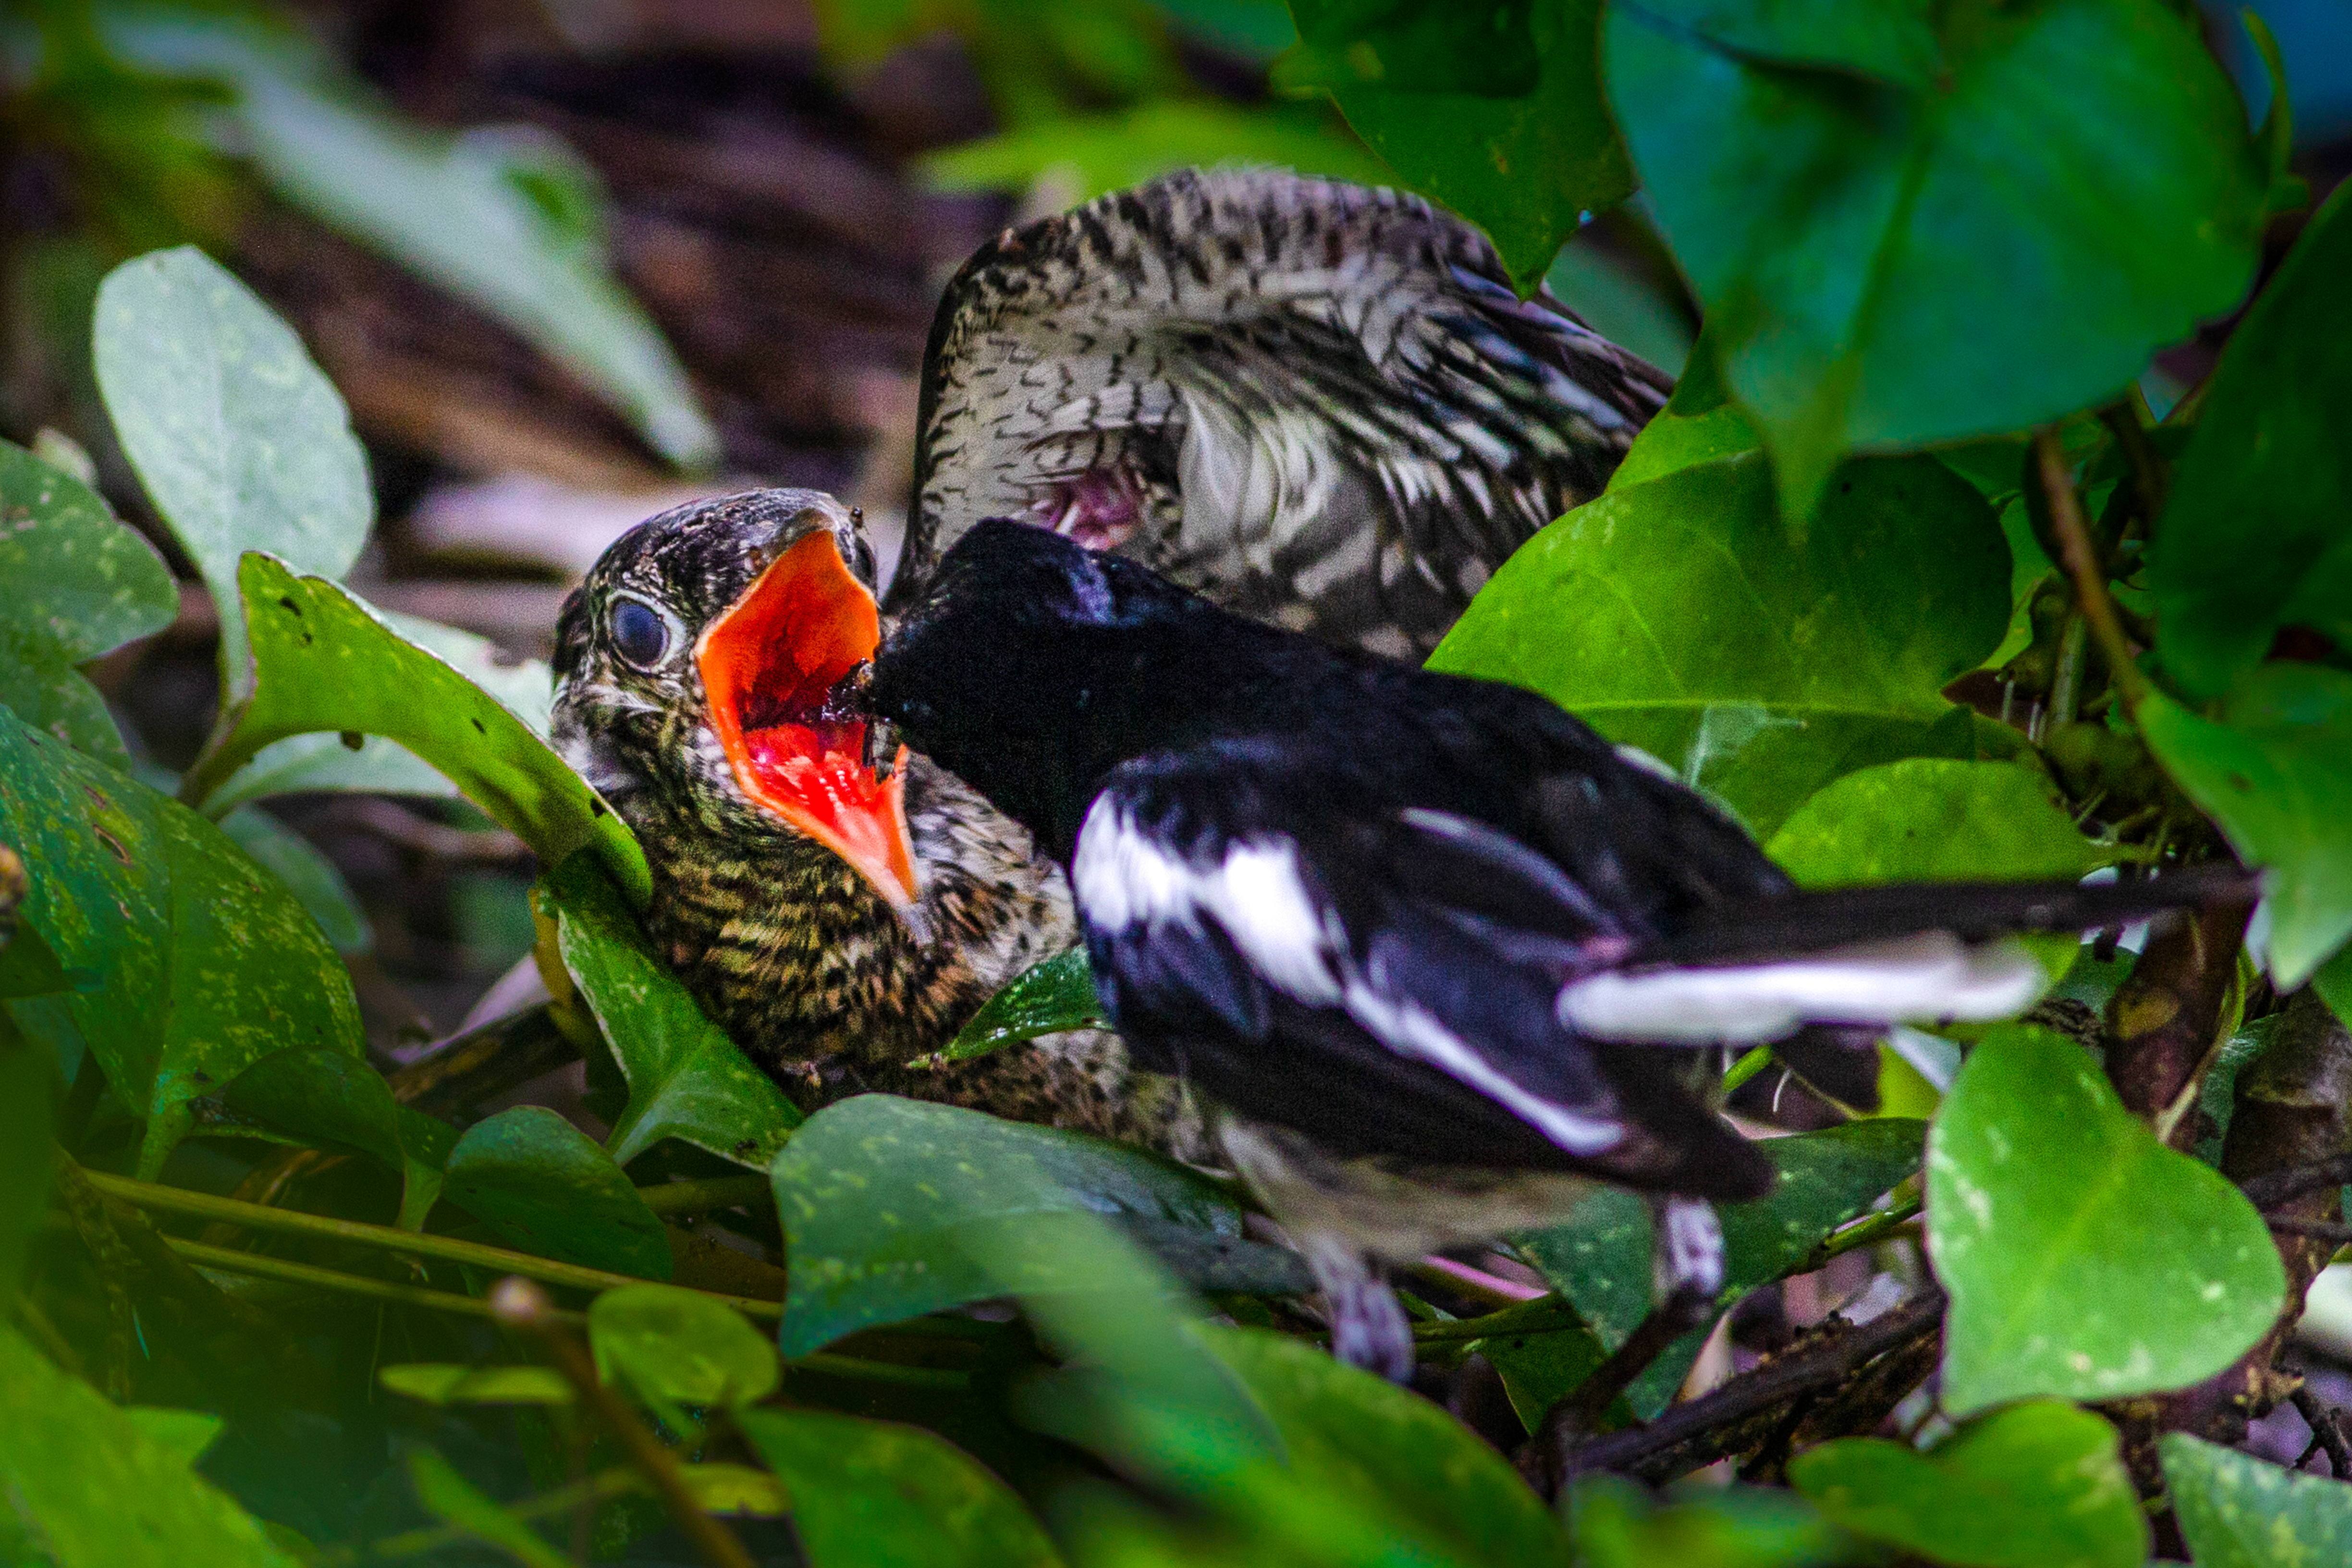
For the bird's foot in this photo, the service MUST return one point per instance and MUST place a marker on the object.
(1687, 1258)
(1369, 1327)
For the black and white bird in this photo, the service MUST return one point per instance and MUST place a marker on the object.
(1434, 951)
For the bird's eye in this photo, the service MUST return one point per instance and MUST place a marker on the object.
(639, 634)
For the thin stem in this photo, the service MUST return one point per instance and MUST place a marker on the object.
(2140, 456)
(2066, 684)
(602, 1487)
(1757, 1058)
(259, 1266)
(358, 1233)
(520, 1304)
(1474, 1283)
(1868, 1231)
(2081, 559)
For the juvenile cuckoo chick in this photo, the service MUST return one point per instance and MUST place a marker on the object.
(1436, 953)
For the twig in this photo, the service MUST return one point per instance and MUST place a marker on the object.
(520, 1304)
(2327, 1432)
(2272, 1188)
(2141, 457)
(261, 1265)
(358, 1233)
(2084, 569)
(2317, 1229)
(477, 1063)
(1691, 1435)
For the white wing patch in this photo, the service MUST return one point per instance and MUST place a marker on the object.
(1930, 976)
(1411, 1031)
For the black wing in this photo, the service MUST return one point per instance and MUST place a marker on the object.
(1318, 403)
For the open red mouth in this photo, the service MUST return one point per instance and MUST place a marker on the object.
(769, 666)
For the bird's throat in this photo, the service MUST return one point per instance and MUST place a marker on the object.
(769, 668)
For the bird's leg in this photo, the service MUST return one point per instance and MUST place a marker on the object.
(1369, 1327)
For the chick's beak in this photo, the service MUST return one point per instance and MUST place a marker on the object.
(768, 669)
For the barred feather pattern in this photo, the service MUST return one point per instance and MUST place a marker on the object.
(1321, 405)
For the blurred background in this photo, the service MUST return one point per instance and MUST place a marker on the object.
(572, 262)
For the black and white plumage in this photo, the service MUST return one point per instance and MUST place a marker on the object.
(1430, 942)
(1318, 404)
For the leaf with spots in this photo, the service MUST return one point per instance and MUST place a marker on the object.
(239, 439)
(2239, 1511)
(1680, 616)
(680, 1345)
(545, 1187)
(80, 584)
(2084, 1259)
(326, 663)
(1046, 998)
(687, 1081)
(205, 963)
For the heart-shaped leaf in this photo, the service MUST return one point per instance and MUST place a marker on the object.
(324, 663)
(2084, 1259)
(545, 1187)
(1680, 617)
(877, 1195)
(2039, 1485)
(1525, 169)
(80, 584)
(2252, 537)
(239, 439)
(96, 1490)
(1600, 1262)
(680, 1345)
(2238, 1512)
(874, 1492)
(687, 1081)
(206, 964)
(1837, 222)
(1046, 998)
(2275, 771)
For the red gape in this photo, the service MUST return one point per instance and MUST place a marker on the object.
(768, 665)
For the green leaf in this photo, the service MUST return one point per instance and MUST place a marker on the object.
(1525, 169)
(239, 439)
(93, 1489)
(309, 876)
(1420, 45)
(340, 1099)
(80, 584)
(545, 1187)
(2039, 1485)
(509, 220)
(2252, 537)
(1613, 1522)
(456, 1503)
(680, 1345)
(2084, 1259)
(2333, 982)
(184, 1434)
(2238, 1512)
(1093, 154)
(1672, 440)
(1389, 1451)
(27, 1086)
(444, 1383)
(325, 663)
(1544, 1354)
(1888, 262)
(873, 1491)
(2275, 772)
(876, 1194)
(208, 964)
(1680, 617)
(1046, 998)
(1602, 1261)
(687, 1081)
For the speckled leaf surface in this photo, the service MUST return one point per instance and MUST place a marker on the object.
(2038, 1485)
(545, 1187)
(2084, 1259)
(687, 1081)
(1837, 224)
(874, 1492)
(240, 441)
(1602, 1261)
(98, 1491)
(308, 874)
(326, 663)
(2239, 1511)
(1044, 999)
(206, 964)
(1683, 618)
(2275, 771)
(80, 583)
(879, 1196)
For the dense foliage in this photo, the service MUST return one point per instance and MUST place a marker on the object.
(1909, 574)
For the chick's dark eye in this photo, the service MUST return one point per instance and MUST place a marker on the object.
(639, 634)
